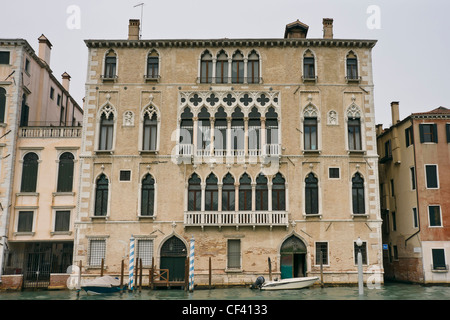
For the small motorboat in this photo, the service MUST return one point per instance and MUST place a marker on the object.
(289, 284)
(105, 284)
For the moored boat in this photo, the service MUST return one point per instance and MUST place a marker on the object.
(105, 284)
(289, 284)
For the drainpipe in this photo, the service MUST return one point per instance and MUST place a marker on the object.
(417, 185)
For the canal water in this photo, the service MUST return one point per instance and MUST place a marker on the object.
(388, 291)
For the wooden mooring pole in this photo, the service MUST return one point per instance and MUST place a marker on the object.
(140, 274)
(270, 269)
(210, 273)
(321, 268)
(150, 280)
(80, 265)
(121, 276)
(102, 266)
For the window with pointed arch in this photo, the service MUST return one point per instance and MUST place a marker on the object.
(261, 193)
(204, 131)
(222, 67)
(187, 127)
(237, 68)
(245, 193)
(278, 193)
(150, 129)
(310, 128)
(152, 65)
(271, 126)
(358, 202)
(354, 134)
(254, 132)
(29, 172)
(206, 67)
(311, 194)
(352, 66)
(194, 193)
(309, 71)
(237, 132)
(65, 172)
(101, 196)
(148, 196)
(106, 131)
(220, 132)
(253, 68)
(211, 193)
(228, 193)
(110, 65)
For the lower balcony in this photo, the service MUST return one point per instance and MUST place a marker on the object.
(236, 219)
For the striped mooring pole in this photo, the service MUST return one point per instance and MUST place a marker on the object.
(131, 266)
(191, 266)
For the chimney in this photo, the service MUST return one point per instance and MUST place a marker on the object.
(327, 28)
(66, 81)
(45, 48)
(379, 129)
(133, 29)
(395, 112)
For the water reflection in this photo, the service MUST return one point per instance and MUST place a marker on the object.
(389, 291)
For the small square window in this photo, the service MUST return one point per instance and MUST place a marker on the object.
(25, 223)
(334, 173)
(4, 57)
(62, 220)
(125, 175)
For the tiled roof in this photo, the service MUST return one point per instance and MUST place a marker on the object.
(437, 111)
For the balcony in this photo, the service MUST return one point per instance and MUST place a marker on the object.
(50, 132)
(236, 219)
(187, 151)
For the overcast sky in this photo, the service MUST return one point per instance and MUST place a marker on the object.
(411, 62)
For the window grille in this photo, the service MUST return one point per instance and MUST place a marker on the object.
(145, 251)
(97, 251)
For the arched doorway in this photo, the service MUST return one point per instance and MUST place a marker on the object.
(293, 258)
(173, 257)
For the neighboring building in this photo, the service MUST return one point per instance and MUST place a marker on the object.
(39, 121)
(415, 195)
(257, 148)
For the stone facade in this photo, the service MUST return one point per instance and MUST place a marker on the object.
(190, 91)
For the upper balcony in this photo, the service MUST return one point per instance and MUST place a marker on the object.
(236, 219)
(188, 153)
(49, 130)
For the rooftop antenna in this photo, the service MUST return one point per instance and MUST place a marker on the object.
(142, 14)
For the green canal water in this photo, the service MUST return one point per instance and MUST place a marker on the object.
(388, 291)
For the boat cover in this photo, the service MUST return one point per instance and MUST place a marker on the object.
(105, 281)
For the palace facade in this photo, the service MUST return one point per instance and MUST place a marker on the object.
(258, 149)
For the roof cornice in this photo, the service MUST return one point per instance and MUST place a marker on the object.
(353, 43)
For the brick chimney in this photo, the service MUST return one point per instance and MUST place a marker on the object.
(327, 28)
(133, 29)
(45, 48)
(66, 80)
(395, 112)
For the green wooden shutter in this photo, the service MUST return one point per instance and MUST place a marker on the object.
(422, 138)
(435, 133)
